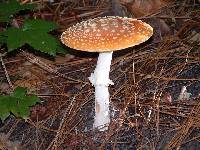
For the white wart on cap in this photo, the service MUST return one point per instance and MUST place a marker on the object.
(104, 34)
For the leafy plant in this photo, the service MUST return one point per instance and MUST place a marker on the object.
(2, 39)
(18, 103)
(34, 32)
(7, 10)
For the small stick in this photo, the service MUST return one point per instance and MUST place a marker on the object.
(5, 70)
(46, 67)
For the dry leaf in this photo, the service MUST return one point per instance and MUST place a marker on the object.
(141, 8)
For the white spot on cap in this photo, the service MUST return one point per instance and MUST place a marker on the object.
(106, 34)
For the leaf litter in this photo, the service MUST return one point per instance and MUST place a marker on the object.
(148, 111)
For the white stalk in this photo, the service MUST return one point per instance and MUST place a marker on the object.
(100, 80)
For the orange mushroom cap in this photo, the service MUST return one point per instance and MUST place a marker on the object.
(104, 34)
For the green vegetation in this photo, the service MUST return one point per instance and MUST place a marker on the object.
(12, 7)
(18, 103)
(34, 34)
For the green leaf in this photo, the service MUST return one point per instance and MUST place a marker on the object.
(13, 42)
(43, 42)
(2, 38)
(7, 10)
(39, 25)
(18, 103)
(19, 92)
(4, 107)
(34, 33)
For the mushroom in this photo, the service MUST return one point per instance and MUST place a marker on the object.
(105, 35)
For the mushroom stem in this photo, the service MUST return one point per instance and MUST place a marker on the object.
(100, 80)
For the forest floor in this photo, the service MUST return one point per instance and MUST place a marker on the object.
(155, 101)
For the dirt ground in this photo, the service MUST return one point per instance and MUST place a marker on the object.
(155, 101)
